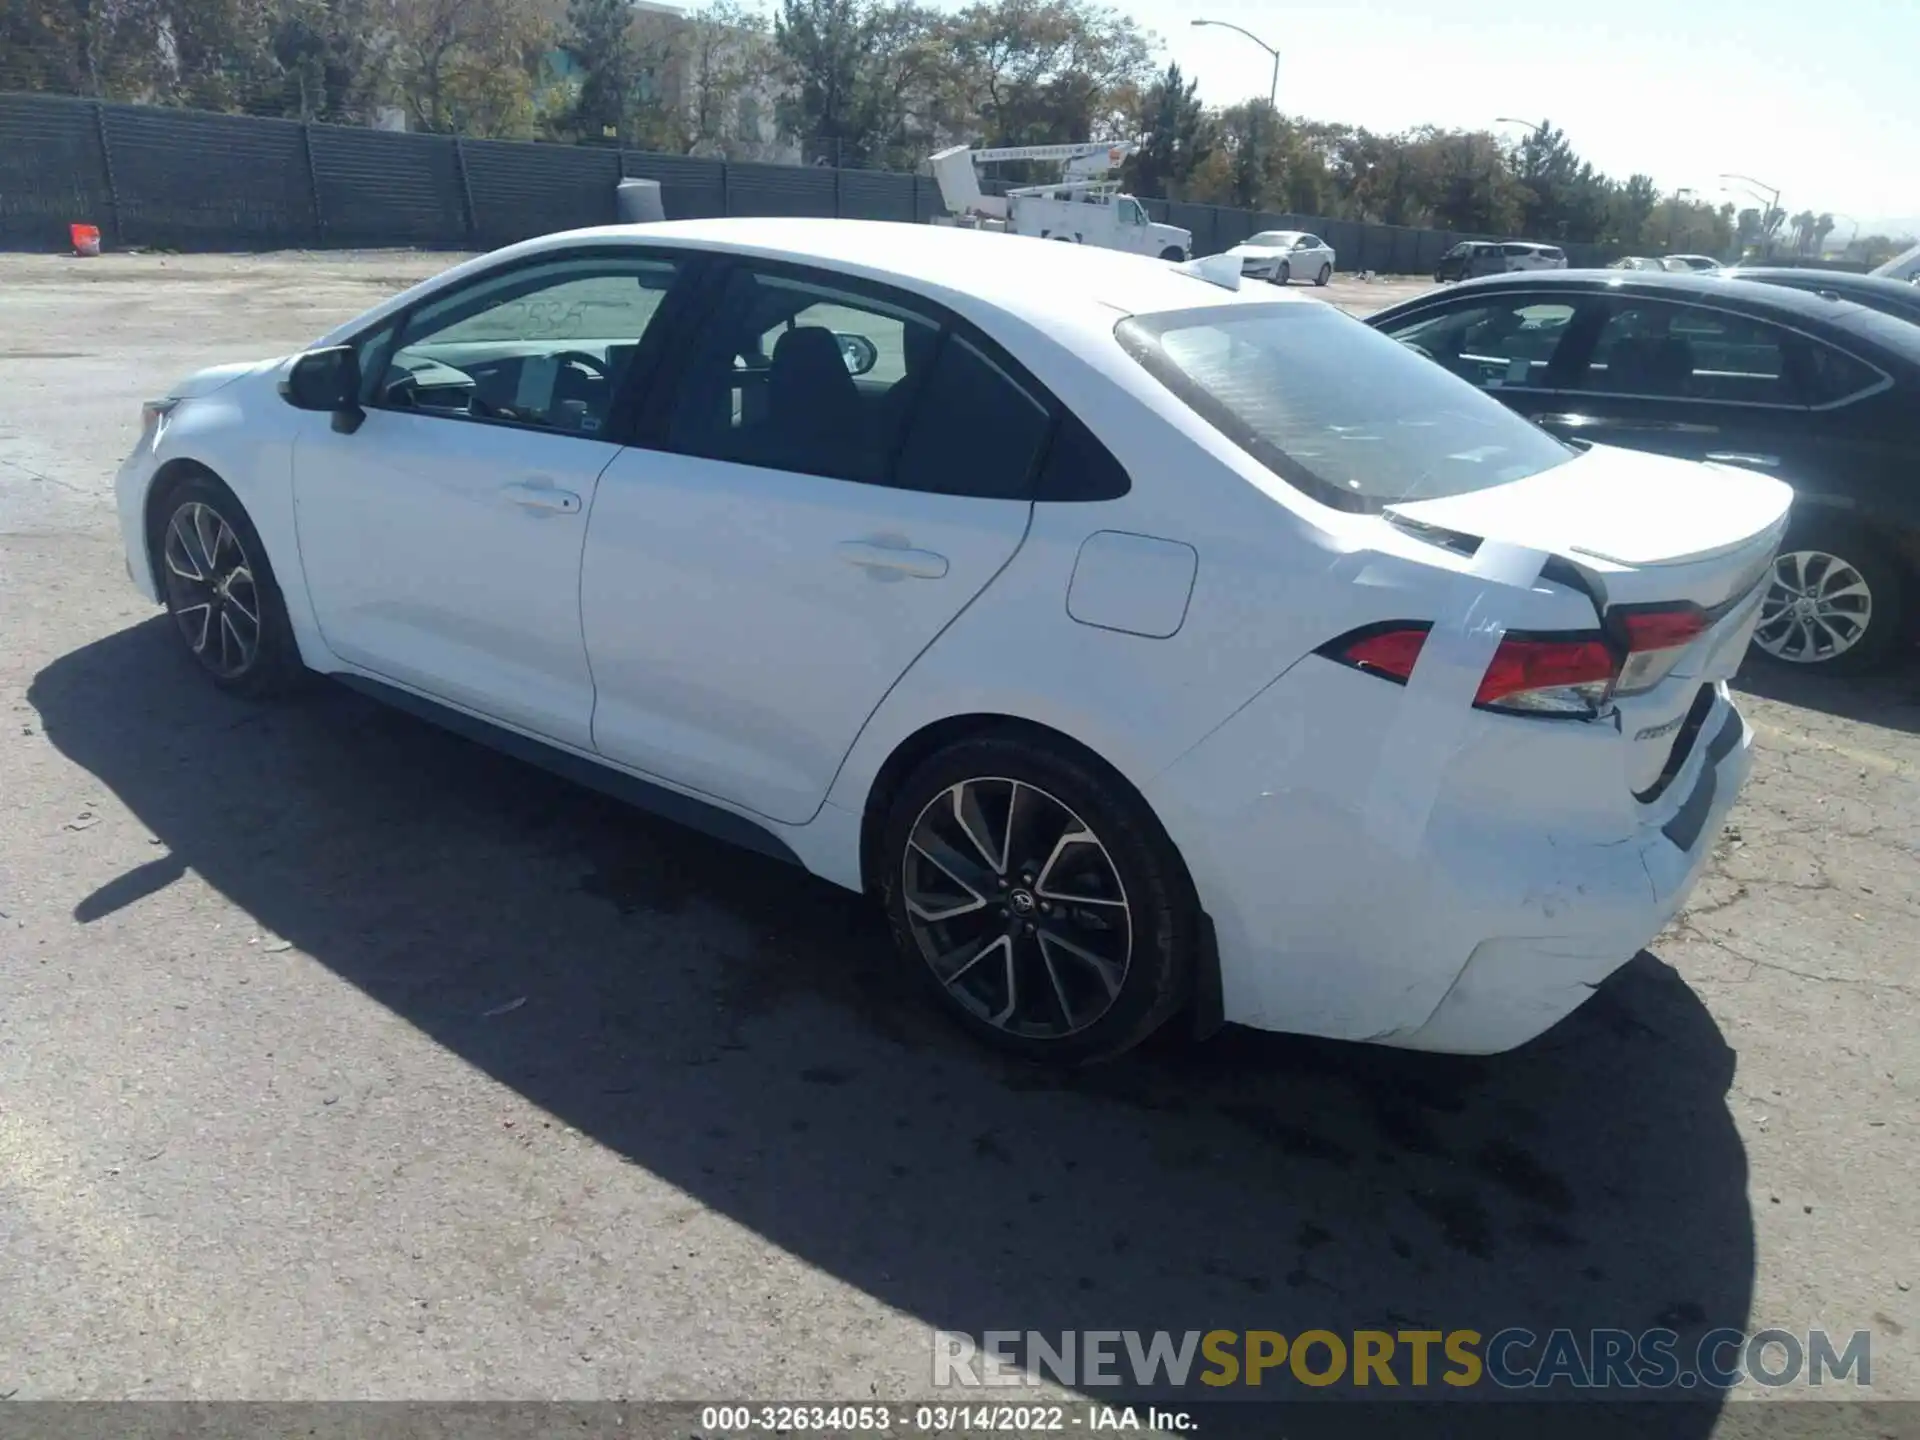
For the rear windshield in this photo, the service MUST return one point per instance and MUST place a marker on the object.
(1334, 408)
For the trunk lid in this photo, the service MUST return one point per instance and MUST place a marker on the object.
(1641, 530)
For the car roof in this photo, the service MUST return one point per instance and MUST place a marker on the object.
(1037, 279)
(1781, 303)
(1668, 284)
(1841, 282)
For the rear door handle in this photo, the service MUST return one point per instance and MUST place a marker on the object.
(533, 495)
(1742, 457)
(885, 562)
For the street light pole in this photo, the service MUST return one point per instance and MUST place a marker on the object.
(1273, 90)
(1773, 205)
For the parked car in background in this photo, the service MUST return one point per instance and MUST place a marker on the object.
(1081, 691)
(1526, 255)
(1689, 264)
(1890, 297)
(1637, 262)
(1495, 257)
(1281, 256)
(1817, 390)
(1470, 258)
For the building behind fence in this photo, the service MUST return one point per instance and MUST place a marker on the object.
(190, 180)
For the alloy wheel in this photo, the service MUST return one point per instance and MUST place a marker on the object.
(1017, 907)
(211, 591)
(1817, 608)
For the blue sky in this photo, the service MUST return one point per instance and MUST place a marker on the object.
(1821, 101)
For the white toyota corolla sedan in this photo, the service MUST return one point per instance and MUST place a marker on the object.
(1144, 644)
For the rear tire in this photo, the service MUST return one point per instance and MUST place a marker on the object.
(1326, 274)
(1837, 604)
(1037, 898)
(220, 590)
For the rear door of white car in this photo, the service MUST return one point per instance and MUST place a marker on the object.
(441, 539)
(787, 538)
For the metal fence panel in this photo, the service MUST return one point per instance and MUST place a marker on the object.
(1230, 227)
(203, 181)
(52, 173)
(755, 189)
(926, 199)
(1433, 244)
(378, 187)
(1197, 220)
(690, 189)
(1344, 237)
(195, 181)
(521, 190)
(876, 195)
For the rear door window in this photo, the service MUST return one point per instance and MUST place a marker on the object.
(975, 429)
(1656, 349)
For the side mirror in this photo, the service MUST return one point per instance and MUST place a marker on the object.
(327, 380)
(860, 353)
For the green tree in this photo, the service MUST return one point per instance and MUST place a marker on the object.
(468, 65)
(726, 50)
(1176, 133)
(598, 37)
(329, 60)
(1039, 72)
(821, 42)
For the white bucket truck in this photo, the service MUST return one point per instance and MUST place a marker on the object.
(1080, 208)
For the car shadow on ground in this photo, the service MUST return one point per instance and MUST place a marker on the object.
(1890, 699)
(740, 1029)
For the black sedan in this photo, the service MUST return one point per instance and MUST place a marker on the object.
(1817, 390)
(1876, 292)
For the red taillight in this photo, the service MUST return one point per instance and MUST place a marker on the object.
(1655, 640)
(1548, 675)
(1388, 651)
(1551, 674)
(1663, 629)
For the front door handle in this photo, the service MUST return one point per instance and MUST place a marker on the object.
(1742, 457)
(532, 496)
(889, 562)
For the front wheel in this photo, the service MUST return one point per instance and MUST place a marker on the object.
(1173, 252)
(1038, 899)
(1283, 274)
(1326, 274)
(220, 590)
(1836, 602)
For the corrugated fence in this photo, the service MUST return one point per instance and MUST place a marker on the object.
(186, 180)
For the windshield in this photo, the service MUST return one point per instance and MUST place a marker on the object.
(1334, 408)
(1272, 237)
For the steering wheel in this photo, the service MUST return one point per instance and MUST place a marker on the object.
(592, 364)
